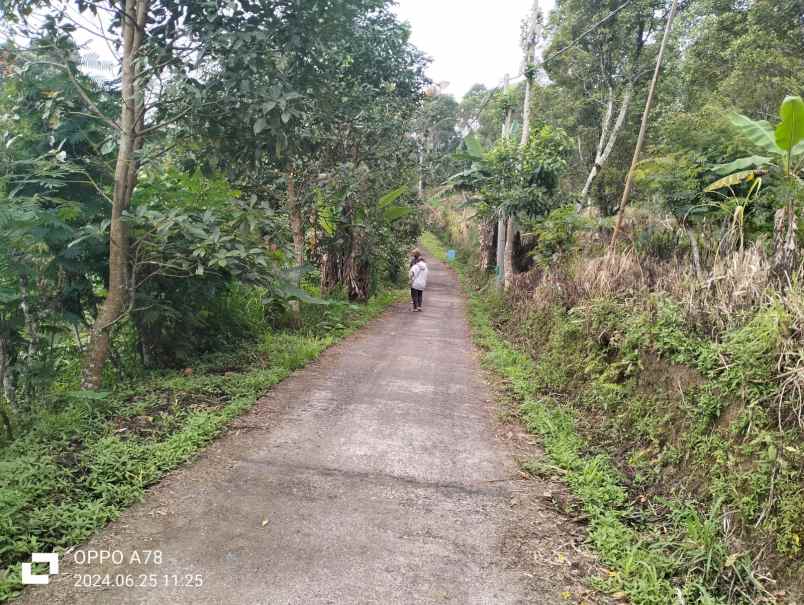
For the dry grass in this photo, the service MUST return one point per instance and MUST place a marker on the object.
(736, 285)
(568, 284)
(734, 289)
(790, 402)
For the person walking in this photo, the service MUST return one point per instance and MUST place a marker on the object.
(418, 282)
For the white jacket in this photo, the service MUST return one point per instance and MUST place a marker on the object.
(418, 276)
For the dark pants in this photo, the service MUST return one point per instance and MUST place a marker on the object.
(416, 297)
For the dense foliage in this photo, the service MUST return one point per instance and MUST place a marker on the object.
(225, 181)
(664, 373)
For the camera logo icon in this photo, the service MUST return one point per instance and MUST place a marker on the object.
(51, 558)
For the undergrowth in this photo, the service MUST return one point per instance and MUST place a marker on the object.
(78, 465)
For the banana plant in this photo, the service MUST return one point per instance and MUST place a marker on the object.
(784, 146)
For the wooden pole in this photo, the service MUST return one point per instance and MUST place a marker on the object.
(644, 128)
(530, 58)
(501, 221)
(529, 46)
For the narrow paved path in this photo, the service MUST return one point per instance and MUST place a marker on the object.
(372, 476)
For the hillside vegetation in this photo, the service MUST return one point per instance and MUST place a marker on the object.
(183, 222)
(238, 184)
(655, 346)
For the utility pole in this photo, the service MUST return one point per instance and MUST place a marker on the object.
(501, 220)
(528, 69)
(644, 128)
(529, 42)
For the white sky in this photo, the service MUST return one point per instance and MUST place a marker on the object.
(470, 41)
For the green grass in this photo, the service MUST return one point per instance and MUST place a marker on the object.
(78, 466)
(433, 245)
(659, 550)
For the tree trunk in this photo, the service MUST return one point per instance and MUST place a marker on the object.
(296, 222)
(501, 225)
(510, 232)
(694, 250)
(29, 315)
(502, 221)
(297, 231)
(330, 272)
(125, 180)
(785, 252)
(530, 56)
(608, 137)
(7, 387)
(486, 245)
(357, 272)
(420, 184)
(506, 126)
(4, 369)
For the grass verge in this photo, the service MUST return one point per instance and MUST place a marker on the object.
(77, 467)
(658, 551)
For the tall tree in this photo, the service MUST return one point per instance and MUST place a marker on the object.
(154, 38)
(530, 37)
(606, 44)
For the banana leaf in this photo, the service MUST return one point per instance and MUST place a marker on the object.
(732, 180)
(759, 132)
(741, 164)
(790, 132)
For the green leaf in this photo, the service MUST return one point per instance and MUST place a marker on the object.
(108, 146)
(326, 218)
(754, 161)
(394, 213)
(260, 125)
(791, 131)
(732, 180)
(9, 295)
(474, 147)
(88, 395)
(295, 293)
(760, 133)
(392, 196)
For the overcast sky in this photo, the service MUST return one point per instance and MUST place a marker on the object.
(470, 41)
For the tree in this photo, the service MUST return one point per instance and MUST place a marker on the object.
(154, 38)
(785, 146)
(333, 91)
(435, 131)
(602, 64)
(48, 192)
(530, 37)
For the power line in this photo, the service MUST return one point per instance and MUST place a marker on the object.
(587, 32)
(572, 44)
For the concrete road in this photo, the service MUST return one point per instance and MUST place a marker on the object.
(372, 476)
